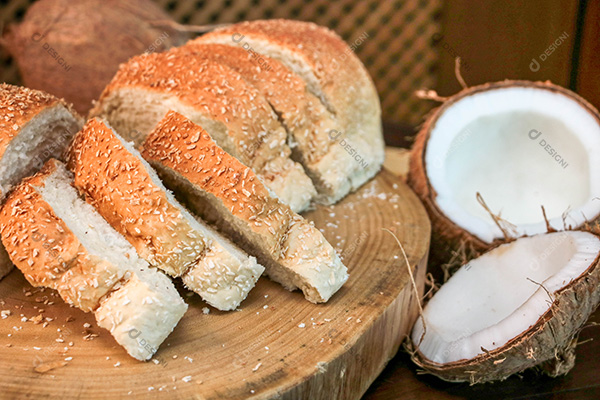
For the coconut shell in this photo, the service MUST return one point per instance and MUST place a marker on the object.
(72, 49)
(548, 344)
(454, 246)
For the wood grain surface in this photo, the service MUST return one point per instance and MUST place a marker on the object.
(277, 346)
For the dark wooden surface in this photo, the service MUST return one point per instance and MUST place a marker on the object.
(401, 378)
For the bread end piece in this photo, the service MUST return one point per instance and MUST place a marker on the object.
(315, 260)
(142, 313)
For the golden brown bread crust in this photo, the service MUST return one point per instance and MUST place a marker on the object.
(118, 287)
(335, 65)
(18, 105)
(301, 112)
(219, 187)
(47, 252)
(118, 185)
(216, 97)
(206, 164)
(215, 90)
(33, 235)
(334, 74)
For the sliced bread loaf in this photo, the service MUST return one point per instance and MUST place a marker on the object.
(226, 192)
(34, 126)
(308, 123)
(235, 114)
(113, 177)
(332, 72)
(59, 241)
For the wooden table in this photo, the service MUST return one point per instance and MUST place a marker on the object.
(401, 378)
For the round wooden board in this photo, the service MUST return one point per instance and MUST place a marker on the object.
(277, 346)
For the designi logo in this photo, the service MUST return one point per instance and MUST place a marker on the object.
(134, 333)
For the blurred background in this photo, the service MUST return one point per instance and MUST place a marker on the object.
(411, 44)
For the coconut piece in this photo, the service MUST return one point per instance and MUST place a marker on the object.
(515, 307)
(519, 145)
(73, 49)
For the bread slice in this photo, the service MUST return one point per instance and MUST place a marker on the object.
(142, 312)
(126, 191)
(333, 73)
(305, 118)
(224, 191)
(235, 114)
(34, 126)
(59, 241)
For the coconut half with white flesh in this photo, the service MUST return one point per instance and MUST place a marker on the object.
(507, 149)
(515, 307)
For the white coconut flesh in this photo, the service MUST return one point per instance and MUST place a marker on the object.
(501, 295)
(520, 148)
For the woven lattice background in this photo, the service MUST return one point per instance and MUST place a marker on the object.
(398, 50)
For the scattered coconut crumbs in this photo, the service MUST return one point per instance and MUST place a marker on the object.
(43, 368)
(321, 367)
(90, 336)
